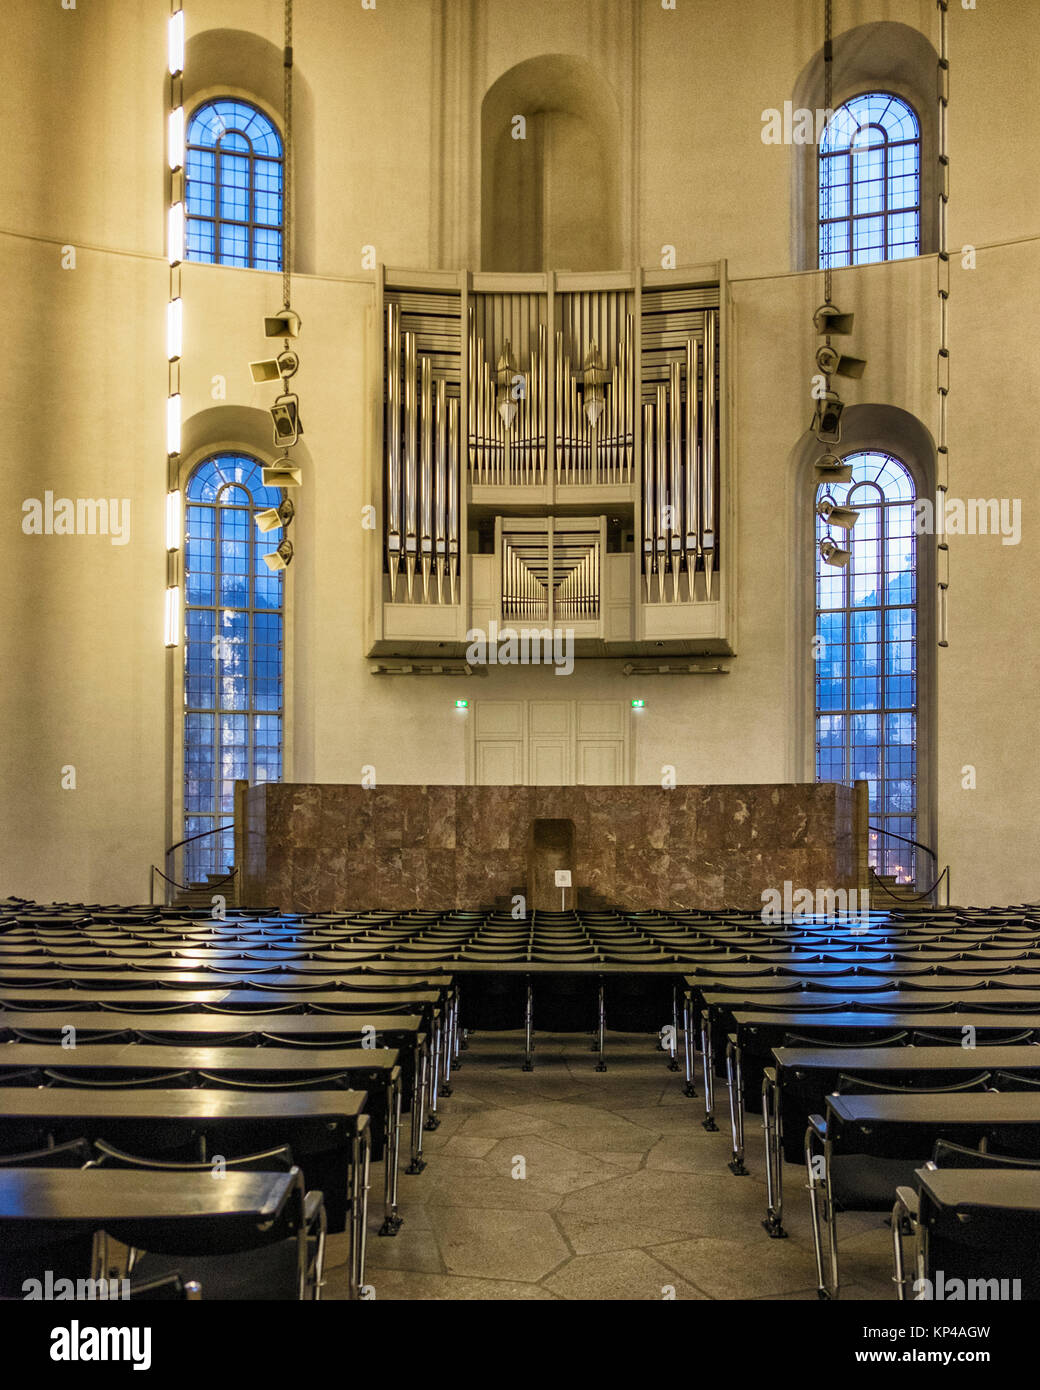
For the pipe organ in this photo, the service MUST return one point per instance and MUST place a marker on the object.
(554, 451)
(421, 446)
(679, 384)
(550, 571)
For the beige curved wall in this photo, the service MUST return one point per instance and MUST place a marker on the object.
(396, 98)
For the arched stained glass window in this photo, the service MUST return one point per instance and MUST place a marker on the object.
(866, 670)
(870, 182)
(234, 189)
(234, 659)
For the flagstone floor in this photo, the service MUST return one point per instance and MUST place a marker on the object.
(619, 1192)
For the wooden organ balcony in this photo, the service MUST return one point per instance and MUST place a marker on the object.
(553, 451)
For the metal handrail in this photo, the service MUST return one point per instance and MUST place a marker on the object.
(199, 835)
(911, 897)
(906, 841)
(185, 887)
(918, 897)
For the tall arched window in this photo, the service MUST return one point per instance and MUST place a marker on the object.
(870, 182)
(234, 191)
(233, 679)
(866, 670)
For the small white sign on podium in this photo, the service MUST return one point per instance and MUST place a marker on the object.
(563, 882)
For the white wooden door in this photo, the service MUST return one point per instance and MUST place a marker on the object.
(550, 743)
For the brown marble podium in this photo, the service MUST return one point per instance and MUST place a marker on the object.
(331, 847)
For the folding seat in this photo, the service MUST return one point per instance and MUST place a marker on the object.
(861, 1180)
(980, 1241)
(260, 1006)
(22, 1076)
(1008, 1081)
(328, 1081)
(851, 1037)
(954, 1038)
(285, 1257)
(53, 1035)
(106, 1006)
(947, 1154)
(30, 1249)
(74, 1153)
(202, 1039)
(104, 1079)
(862, 1086)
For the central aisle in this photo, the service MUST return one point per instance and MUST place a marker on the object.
(625, 1195)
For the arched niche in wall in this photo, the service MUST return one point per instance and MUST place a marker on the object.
(869, 428)
(880, 57)
(225, 428)
(550, 200)
(236, 63)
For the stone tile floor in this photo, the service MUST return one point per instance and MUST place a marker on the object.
(625, 1195)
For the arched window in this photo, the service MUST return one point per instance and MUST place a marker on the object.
(866, 670)
(233, 679)
(870, 182)
(234, 191)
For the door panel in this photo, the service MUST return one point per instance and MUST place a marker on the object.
(550, 743)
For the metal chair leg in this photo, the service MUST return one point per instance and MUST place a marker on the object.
(773, 1223)
(449, 1047)
(418, 1163)
(529, 1029)
(673, 1060)
(366, 1166)
(432, 1119)
(708, 1063)
(392, 1221)
(821, 1209)
(687, 1010)
(735, 1082)
(602, 1030)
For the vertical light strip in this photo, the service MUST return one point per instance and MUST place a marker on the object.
(173, 425)
(175, 138)
(174, 519)
(175, 233)
(172, 616)
(174, 329)
(176, 248)
(176, 43)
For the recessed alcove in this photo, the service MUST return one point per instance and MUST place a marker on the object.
(550, 130)
(551, 846)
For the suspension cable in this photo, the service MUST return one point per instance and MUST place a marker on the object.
(828, 99)
(287, 199)
(942, 370)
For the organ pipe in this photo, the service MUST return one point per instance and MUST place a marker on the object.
(675, 471)
(411, 423)
(393, 443)
(426, 471)
(708, 454)
(440, 505)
